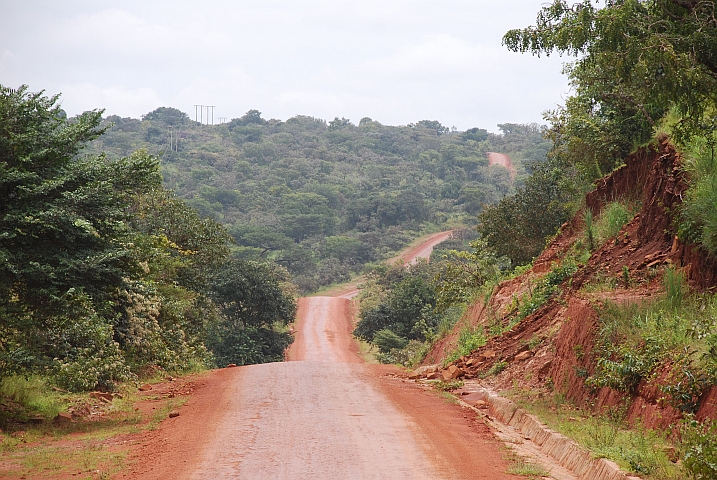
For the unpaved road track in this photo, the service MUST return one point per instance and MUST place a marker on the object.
(322, 415)
(503, 160)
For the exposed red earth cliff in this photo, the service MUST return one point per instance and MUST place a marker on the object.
(565, 327)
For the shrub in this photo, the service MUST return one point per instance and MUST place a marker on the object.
(699, 445)
(386, 341)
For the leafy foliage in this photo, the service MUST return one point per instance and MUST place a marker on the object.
(518, 226)
(638, 59)
(700, 457)
(102, 271)
(406, 306)
(323, 199)
(255, 304)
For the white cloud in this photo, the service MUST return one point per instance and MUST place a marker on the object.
(397, 62)
(116, 99)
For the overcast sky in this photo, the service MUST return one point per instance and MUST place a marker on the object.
(396, 61)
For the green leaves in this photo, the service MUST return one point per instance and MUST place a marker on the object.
(637, 58)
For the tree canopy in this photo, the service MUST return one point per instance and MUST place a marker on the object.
(102, 270)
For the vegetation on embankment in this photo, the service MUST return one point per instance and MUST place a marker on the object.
(617, 312)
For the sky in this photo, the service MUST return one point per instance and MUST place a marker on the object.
(395, 61)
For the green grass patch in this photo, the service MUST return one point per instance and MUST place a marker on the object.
(635, 449)
(470, 339)
(698, 212)
(27, 396)
(527, 469)
(633, 340)
(613, 217)
(448, 385)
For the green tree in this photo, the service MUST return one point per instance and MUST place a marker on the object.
(62, 216)
(637, 59)
(255, 304)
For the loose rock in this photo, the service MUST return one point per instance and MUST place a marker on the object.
(102, 396)
(145, 388)
(173, 413)
(62, 417)
(523, 356)
(452, 372)
(488, 354)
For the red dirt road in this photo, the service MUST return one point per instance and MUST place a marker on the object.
(411, 255)
(321, 415)
(502, 160)
(423, 250)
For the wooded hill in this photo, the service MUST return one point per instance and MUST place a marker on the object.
(324, 198)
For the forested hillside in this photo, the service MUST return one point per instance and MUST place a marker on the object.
(324, 198)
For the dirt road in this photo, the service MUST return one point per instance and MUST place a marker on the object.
(502, 160)
(410, 255)
(321, 415)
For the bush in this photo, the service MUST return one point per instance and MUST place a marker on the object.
(386, 341)
(699, 444)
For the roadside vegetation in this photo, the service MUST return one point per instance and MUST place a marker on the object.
(643, 71)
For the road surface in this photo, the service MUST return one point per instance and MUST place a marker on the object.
(321, 415)
(503, 160)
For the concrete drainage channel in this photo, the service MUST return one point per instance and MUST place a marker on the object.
(532, 440)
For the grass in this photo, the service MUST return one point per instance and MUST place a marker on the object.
(78, 448)
(526, 469)
(614, 216)
(607, 436)
(31, 395)
(448, 385)
(698, 213)
(634, 339)
(469, 339)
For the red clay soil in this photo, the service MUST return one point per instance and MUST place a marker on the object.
(554, 345)
(503, 160)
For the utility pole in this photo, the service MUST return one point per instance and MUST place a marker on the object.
(200, 109)
(208, 107)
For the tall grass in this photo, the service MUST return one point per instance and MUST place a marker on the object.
(698, 214)
(614, 216)
(32, 394)
(674, 286)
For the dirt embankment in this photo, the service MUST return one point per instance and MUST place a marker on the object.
(554, 345)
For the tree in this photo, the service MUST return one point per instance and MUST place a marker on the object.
(518, 226)
(638, 58)
(255, 303)
(62, 216)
